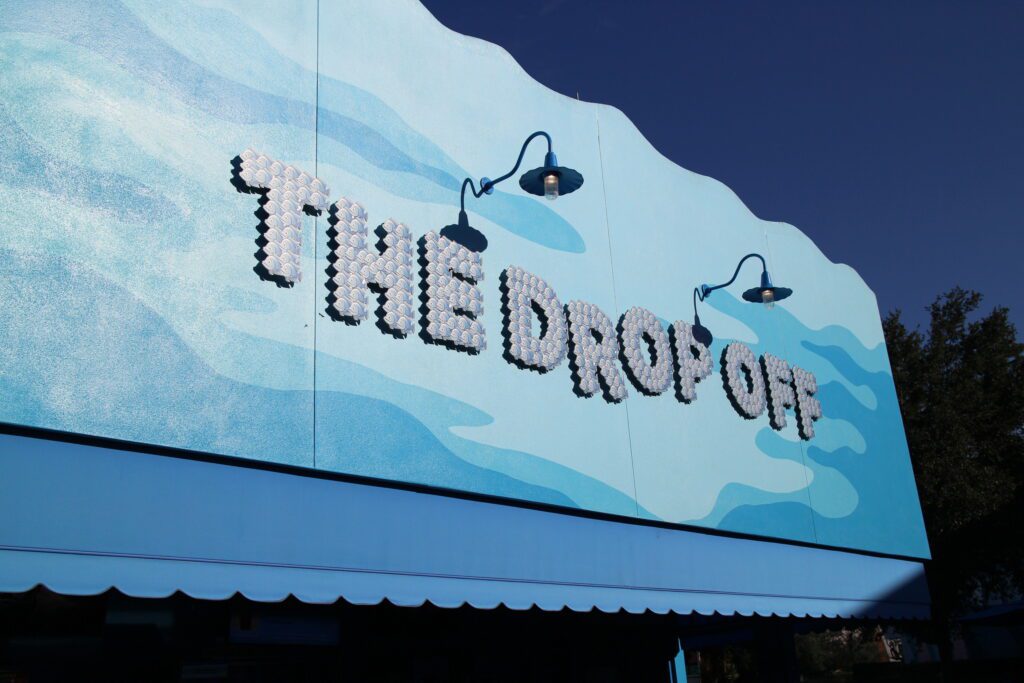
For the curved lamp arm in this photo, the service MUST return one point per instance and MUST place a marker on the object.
(488, 185)
(705, 290)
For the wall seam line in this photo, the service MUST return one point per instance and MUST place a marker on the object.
(615, 302)
(316, 219)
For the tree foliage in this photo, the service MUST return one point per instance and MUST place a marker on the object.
(961, 389)
(826, 653)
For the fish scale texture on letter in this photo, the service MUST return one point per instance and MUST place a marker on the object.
(288, 192)
(359, 266)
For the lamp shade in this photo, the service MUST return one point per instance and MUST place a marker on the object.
(569, 179)
(756, 295)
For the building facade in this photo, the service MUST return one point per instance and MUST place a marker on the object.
(260, 338)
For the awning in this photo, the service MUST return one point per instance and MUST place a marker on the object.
(81, 519)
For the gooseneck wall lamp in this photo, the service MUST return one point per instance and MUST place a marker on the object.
(549, 180)
(766, 293)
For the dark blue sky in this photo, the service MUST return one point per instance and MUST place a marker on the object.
(892, 133)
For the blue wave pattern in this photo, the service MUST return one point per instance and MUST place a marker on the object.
(880, 489)
(422, 459)
(131, 309)
(112, 31)
(142, 384)
(29, 168)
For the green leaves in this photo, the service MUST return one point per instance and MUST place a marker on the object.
(961, 390)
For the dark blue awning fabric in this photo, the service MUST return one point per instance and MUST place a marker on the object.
(81, 519)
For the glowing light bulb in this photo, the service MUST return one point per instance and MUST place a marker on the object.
(551, 186)
(768, 297)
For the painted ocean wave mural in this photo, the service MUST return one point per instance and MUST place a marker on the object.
(141, 385)
(133, 307)
(854, 471)
(111, 31)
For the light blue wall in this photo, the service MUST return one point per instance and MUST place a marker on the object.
(131, 308)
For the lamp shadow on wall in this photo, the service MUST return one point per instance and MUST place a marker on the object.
(506, 326)
(332, 270)
(261, 241)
